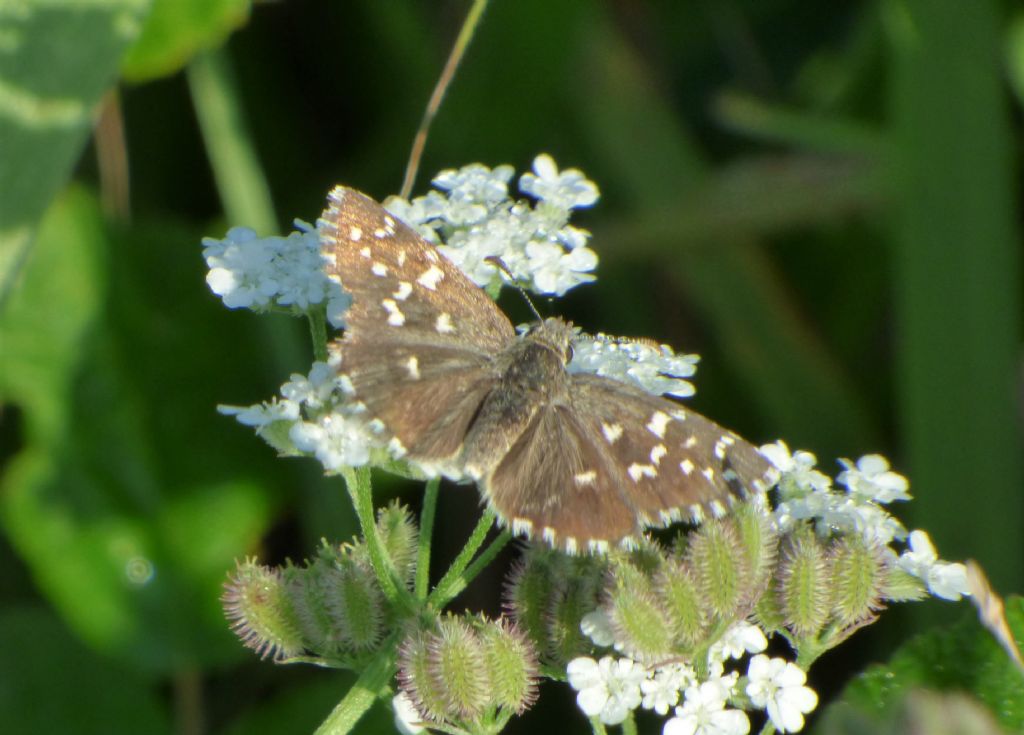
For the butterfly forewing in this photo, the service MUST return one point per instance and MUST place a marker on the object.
(402, 288)
(420, 337)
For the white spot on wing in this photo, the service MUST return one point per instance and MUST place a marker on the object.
(444, 323)
(413, 366)
(355, 234)
(404, 289)
(379, 269)
(401, 258)
(637, 471)
(658, 452)
(709, 473)
(430, 277)
(395, 316)
(522, 527)
(585, 478)
(659, 420)
(691, 442)
(612, 432)
(597, 546)
(549, 535)
(365, 252)
(380, 233)
(570, 546)
(396, 448)
(686, 466)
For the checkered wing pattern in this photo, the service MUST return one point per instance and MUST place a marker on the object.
(595, 472)
(420, 338)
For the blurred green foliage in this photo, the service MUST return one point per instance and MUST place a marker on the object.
(822, 199)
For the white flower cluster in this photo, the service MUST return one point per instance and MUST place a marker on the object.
(611, 688)
(806, 493)
(653, 367)
(314, 417)
(258, 273)
(473, 220)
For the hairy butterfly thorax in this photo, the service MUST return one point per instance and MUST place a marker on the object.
(580, 460)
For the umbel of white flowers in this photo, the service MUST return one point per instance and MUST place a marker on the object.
(471, 217)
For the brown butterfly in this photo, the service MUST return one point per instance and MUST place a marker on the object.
(582, 461)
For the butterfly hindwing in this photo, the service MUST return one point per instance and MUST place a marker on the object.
(676, 464)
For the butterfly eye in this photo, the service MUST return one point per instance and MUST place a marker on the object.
(568, 354)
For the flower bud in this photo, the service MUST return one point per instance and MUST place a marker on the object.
(721, 571)
(257, 605)
(805, 584)
(548, 595)
(441, 671)
(642, 628)
(678, 595)
(511, 663)
(760, 541)
(400, 536)
(859, 572)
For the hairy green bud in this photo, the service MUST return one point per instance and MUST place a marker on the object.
(257, 604)
(805, 584)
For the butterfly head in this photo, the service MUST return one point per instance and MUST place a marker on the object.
(555, 334)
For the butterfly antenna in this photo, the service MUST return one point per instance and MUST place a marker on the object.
(500, 265)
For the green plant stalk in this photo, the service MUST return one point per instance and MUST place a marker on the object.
(453, 578)
(318, 333)
(425, 542)
(629, 724)
(597, 726)
(242, 187)
(469, 26)
(357, 481)
(474, 569)
(363, 693)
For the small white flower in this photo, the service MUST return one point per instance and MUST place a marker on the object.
(253, 272)
(778, 686)
(944, 579)
(263, 413)
(476, 184)
(569, 189)
(871, 479)
(741, 638)
(703, 713)
(407, 720)
(609, 688)
(798, 473)
(555, 271)
(662, 686)
(597, 626)
(654, 368)
(336, 439)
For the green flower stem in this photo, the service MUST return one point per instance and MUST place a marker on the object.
(361, 491)
(597, 726)
(629, 725)
(454, 581)
(318, 332)
(478, 565)
(363, 693)
(426, 532)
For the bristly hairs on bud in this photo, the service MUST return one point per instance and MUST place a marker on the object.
(859, 571)
(642, 628)
(467, 669)
(804, 584)
(259, 608)
(547, 595)
(721, 569)
(760, 539)
(682, 604)
(400, 536)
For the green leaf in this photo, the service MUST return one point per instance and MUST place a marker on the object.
(125, 500)
(53, 684)
(67, 55)
(962, 657)
(178, 29)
